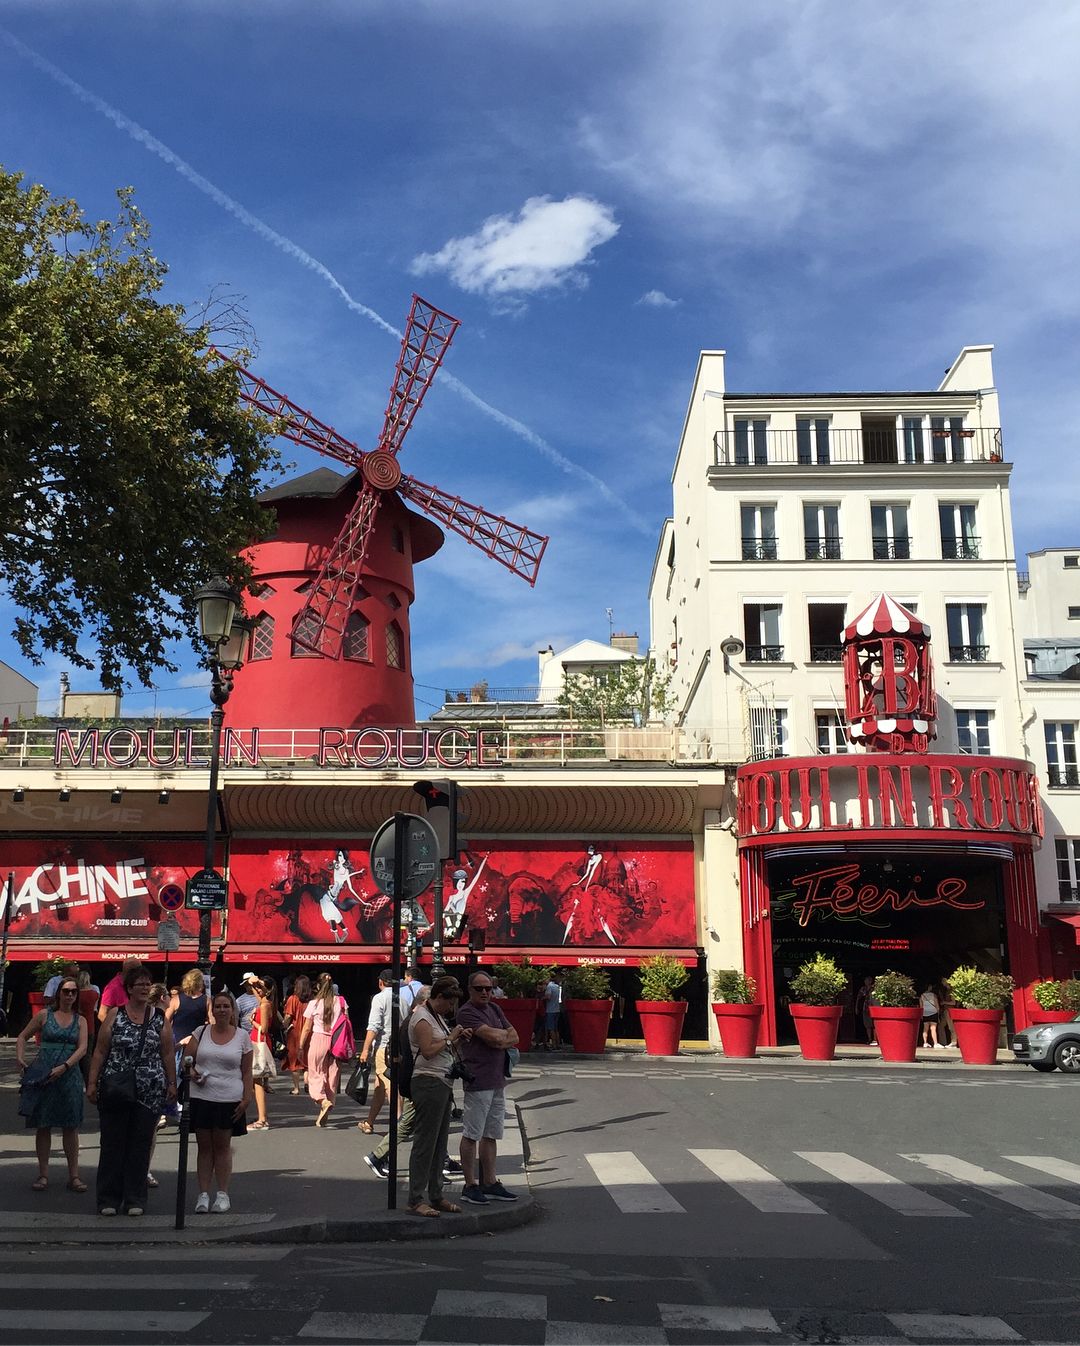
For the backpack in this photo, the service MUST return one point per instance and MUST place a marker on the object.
(342, 1042)
(406, 1058)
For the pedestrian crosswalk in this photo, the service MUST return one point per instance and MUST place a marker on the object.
(639, 1188)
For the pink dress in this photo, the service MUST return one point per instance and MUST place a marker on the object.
(323, 1070)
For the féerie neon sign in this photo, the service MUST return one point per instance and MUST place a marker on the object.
(836, 893)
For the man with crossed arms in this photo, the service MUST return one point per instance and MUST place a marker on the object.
(485, 1094)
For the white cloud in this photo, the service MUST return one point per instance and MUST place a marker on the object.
(546, 245)
(658, 299)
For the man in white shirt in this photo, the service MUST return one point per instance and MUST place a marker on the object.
(410, 989)
(375, 1040)
(247, 1002)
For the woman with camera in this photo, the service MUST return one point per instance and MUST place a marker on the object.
(432, 1042)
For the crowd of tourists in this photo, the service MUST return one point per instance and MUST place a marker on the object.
(140, 1052)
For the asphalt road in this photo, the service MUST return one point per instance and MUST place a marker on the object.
(692, 1201)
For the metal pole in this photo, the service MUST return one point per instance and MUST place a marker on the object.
(217, 720)
(182, 1148)
(438, 968)
(393, 1050)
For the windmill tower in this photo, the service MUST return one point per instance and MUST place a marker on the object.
(332, 588)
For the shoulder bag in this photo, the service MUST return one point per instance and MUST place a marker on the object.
(119, 1090)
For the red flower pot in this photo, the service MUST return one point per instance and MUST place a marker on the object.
(661, 1022)
(522, 1015)
(977, 1033)
(817, 1027)
(739, 1026)
(896, 1028)
(589, 1020)
(1041, 1016)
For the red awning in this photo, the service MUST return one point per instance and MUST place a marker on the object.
(1074, 921)
(885, 616)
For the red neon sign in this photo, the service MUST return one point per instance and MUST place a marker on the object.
(836, 893)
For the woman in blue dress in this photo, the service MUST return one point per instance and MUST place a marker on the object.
(60, 1102)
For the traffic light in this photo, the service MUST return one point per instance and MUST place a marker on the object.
(441, 802)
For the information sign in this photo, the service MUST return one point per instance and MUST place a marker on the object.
(207, 891)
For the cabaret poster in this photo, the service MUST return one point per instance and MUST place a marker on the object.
(621, 895)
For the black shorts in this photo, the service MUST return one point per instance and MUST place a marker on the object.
(208, 1116)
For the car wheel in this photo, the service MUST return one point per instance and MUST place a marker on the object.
(1067, 1057)
(1043, 1067)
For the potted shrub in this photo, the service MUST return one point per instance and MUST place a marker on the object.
(1057, 1001)
(588, 1002)
(737, 1011)
(980, 998)
(816, 989)
(42, 974)
(521, 1003)
(661, 1014)
(894, 1008)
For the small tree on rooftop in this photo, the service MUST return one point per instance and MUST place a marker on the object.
(633, 690)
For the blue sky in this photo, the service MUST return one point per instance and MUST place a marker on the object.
(840, 195)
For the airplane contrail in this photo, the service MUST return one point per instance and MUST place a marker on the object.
(298, 254)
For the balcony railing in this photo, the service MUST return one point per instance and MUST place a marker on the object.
(826, 654)
(790, 448)
(1023, 580)
(480, 693)
(764, 654)
(759, 549)
(969, 654)
(822, 548)
(1067, 894)
(959, 548)
(1063, 777)
(892, 549)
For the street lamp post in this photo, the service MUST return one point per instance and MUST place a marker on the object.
(227, 637)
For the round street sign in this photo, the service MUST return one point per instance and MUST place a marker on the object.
(170, 897)
(421, 857)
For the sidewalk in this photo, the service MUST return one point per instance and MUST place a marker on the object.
(295, 1183)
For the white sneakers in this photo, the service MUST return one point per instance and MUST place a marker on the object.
(220, 1206)
(202, 1206)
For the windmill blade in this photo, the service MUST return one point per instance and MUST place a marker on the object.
(294, 422)
(518, 549)
(428, 334)
(320, 623)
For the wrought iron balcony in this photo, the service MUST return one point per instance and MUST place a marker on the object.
(1063, 777)
(869, 446)
(892, 549)
(959, 548)
(826, 654)
(764, 654)
(822, 548)
(969, 654)
(759, 549)
(1067, 894)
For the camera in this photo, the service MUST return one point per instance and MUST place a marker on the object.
(459, 1071)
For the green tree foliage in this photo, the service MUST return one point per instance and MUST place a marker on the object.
(632, 689)
(128, 466)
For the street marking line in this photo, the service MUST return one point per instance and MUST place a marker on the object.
(488, 1304)
(631, 1186)
(952, 1327)
(603, 1334)
(716, 1318)
(1045, 1163)
(760, 1187)
(85, 1321)
(66, 1280)
(1014, 1193)
(881, 1186)
(365, 1326)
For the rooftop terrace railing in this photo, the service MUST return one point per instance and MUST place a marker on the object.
(758, 447)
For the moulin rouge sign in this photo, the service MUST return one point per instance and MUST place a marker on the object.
(371, 747)
(888, 793)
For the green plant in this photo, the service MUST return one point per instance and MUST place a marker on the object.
(520, 980)
(731, 987)
(1070, 995)
(894, 990)
(661, 976)
(48, 968)
(586, 983)
(1049, 995)
(973, 989)
(819, 982)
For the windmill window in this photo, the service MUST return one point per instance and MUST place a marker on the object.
(307, 625)
(357, 644)
(392, 601)
(262, 591)
(306, 587)
(397, 540)
(395, 646)
(262, 638)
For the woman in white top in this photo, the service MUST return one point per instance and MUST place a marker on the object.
(221, 1091)
(432, 1041)
(931, 1008)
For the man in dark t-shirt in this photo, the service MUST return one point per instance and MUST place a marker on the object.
(485, 1093)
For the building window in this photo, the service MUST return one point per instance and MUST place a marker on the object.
(966, 623)
(914, 443)
(392, 601)
(395, 646)
(959, 539)
(1068, 868)
(889, 528)
(1072, 562)
(262, 638)
(768, 732)
(1061, 754)
(262, 591)
(812, 439)
(831, 732)
(356, 644)
(308, 625)
(751, 443)
(947, 437)
(826, 631)
(1074, 614)
(821, 532)
(758, 532)
(761, 630)
(973, 730)
(397, 540)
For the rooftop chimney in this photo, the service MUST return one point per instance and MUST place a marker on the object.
(621, 640)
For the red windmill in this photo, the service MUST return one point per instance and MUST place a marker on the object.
(342, 574)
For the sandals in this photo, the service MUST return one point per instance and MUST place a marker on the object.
(77, 1185)
(151, 1181)
(422, 1208)
(39, 1184)
(366, 1127)
(448, 1207)
(259, 1126)
(294, 1093)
